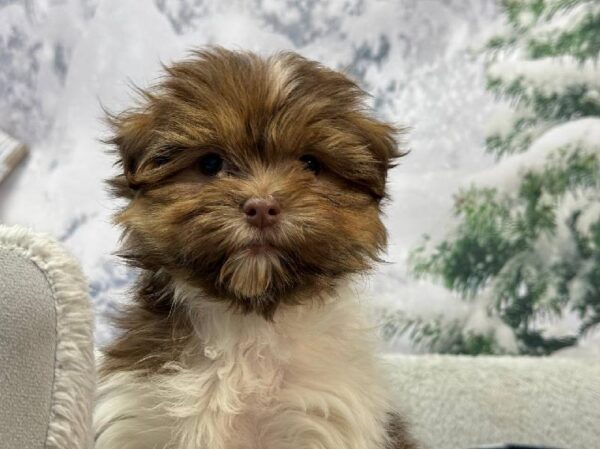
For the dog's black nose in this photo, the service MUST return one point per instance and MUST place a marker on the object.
(262, 212)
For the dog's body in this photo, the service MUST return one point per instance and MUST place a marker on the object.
(308, 379)
(254, 188)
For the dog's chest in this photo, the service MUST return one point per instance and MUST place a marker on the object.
(245, 377)
(246, 384)
(224, 398)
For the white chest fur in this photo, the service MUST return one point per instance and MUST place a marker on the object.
(309, 379)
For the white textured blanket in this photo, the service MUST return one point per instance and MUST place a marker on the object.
(465, 402)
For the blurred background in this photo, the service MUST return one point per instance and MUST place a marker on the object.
(494, 217)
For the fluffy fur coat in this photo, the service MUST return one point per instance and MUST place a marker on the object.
(253, 189)
(308, 379)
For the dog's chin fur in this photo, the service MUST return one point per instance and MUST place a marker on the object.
(250, 275)
(239, 337)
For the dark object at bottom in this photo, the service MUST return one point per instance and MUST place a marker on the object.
(512, 446)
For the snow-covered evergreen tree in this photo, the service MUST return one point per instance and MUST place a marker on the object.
(525, 249)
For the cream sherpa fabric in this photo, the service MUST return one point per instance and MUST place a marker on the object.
(465, 402)
(46, 357)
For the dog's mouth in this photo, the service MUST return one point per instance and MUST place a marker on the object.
(260, 247)
(261, 243)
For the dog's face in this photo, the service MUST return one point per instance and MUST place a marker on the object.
(254, 179)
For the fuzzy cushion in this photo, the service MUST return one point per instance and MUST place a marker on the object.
(466, 402)
(46, 349)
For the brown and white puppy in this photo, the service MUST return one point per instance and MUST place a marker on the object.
(253, 190)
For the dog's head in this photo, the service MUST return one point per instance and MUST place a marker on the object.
(255, 179)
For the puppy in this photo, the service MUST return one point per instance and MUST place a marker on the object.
(253, 189)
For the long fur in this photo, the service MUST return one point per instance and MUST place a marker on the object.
(70, 423)
(310, 378)
(239, 337)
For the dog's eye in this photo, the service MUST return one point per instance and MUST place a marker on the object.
(311, 163)
(161, 160)
(210, 164)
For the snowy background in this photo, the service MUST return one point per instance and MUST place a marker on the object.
(60, 60)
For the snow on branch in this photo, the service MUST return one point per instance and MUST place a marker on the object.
(513, 130)
(567, 31)
(554, 89)
(548, 76)
(581, 136)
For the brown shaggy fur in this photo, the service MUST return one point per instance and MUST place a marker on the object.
(399, 436)
(261, 115)
(233, 104)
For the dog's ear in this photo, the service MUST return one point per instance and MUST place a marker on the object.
(132, 132)
(384, 141)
